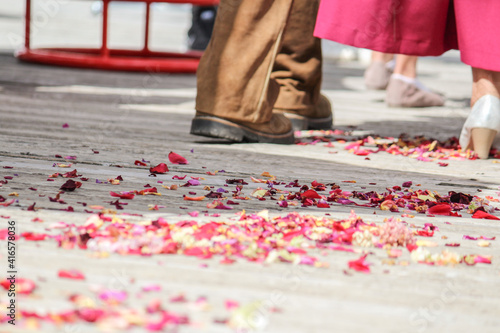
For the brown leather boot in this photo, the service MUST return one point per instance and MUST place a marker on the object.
(277, 130)
(316, 118)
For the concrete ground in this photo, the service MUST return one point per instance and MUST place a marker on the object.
(108, 120)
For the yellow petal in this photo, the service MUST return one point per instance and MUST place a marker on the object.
(483, 243)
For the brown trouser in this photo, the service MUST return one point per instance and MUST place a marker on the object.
(262, 56)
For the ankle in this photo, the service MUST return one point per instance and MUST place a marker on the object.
(410, 80)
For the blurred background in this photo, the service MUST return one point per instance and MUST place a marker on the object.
(78, 23)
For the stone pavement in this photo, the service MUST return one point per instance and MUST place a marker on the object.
(115, 118)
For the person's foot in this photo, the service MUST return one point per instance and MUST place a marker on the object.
(482, 126)
(202, 25)
(277, 130)
(318, 118)
(410, 93)
(377, 75)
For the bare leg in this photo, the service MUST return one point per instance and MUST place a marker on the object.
(379, 56)
(404, 89)
(484, 82)
(406, 65)
(377, 74)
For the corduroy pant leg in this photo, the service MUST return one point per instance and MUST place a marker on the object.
(298, 66)
(234, 76)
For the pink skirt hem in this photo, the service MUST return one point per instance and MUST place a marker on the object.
(421, 28)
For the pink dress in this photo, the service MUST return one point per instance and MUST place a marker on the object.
(416, 27)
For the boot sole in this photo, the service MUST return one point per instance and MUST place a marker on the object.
(223, 129)
(301, 123)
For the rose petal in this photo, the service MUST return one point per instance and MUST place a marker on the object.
(122, 195)
(160, 168)
(360, 265)
(440, 209)
(70, 185)
(311, 194)
(479, 214)
(175, 158)
(194, 198)
(71, 274)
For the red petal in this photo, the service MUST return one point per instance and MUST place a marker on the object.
(70, 185)
(23, 286)
(137, 162)
(176, 158)
(362, 152)
(90, 315)
(360, 265)
(33, 236)
(425, 233)
(71, 274)
(440, 209)
(160, 168)
(479, 214)
(122, 195)
(411, 247)
(311, 194)
(316, 184)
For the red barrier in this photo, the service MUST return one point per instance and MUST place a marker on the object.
(105, 58)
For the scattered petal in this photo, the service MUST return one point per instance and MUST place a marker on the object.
(194, 198)
(71, 274)
(360, 265)
(440, 209)
(70, 185)
(122, 195)
(22, 286)
(175, 158)
(479, 214)
(159, 169)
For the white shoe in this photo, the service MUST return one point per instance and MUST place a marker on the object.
(482, 125)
